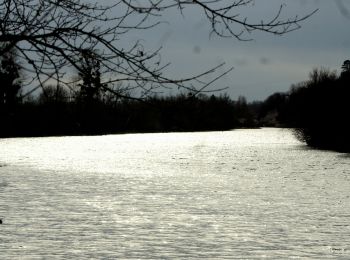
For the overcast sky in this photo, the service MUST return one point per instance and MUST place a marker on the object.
(269, 63)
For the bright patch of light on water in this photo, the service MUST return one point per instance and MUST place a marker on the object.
(236, 194)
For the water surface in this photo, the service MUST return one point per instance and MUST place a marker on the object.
(243, 194)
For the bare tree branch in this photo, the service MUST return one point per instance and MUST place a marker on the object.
(51, 35)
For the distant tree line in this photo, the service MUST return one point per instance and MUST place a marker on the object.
(58, 113)
(58, 110)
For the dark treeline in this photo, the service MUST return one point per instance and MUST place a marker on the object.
(89, 109)
(56, 113)
(318, 109)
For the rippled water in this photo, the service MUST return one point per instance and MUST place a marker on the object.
(243, 194)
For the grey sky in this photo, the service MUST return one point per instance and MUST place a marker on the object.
(269, 63)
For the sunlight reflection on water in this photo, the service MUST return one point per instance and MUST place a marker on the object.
(236, 194)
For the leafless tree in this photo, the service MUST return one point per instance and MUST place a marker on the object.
(53, 94)
(50, 37)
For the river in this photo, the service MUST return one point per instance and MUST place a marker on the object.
(242, 194)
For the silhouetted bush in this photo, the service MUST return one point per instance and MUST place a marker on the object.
(318, 109)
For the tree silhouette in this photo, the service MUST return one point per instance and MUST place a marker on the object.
(9, 78)
(51, 36)
(53, 94)
(90, 75)
(346, 67)
(318, 110)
